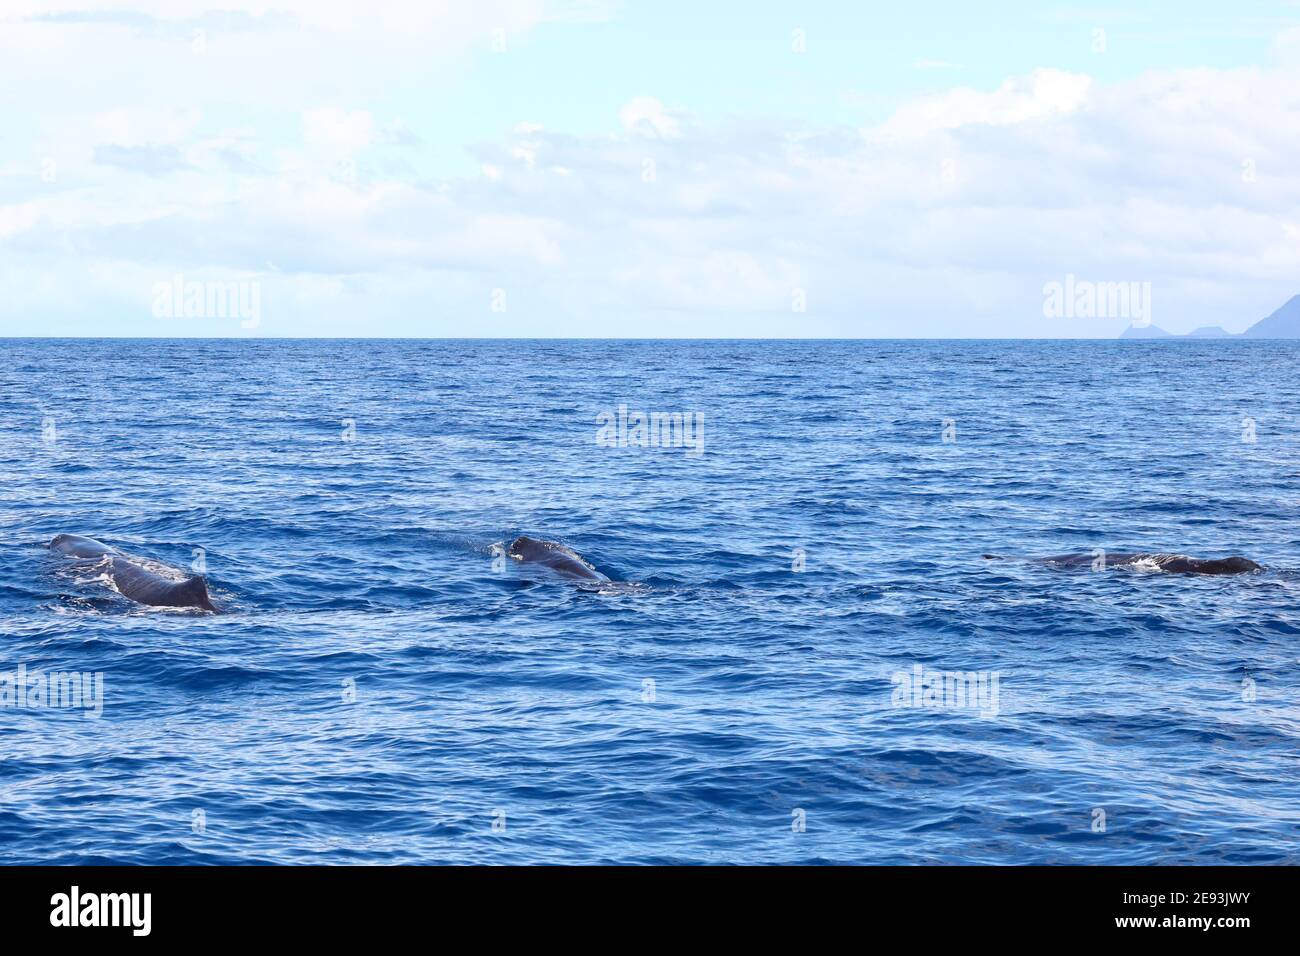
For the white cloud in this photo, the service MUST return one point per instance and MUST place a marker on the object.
(17, 218)
(339, 130)
(949, 215)
(1042, 93)
(1286, 46)
(277, 54)
(646, 116)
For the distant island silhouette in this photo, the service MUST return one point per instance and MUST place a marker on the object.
(1282, 324)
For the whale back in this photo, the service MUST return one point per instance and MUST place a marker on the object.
(554, 556)
(75, 546)
(133, 577)
(1181, 564)
(146, 587)
(1172, 563)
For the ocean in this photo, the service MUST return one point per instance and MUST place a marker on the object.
(810, 660)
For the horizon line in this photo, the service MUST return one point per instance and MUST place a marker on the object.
(628, 338)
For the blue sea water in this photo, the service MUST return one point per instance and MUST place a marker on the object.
(382, 690)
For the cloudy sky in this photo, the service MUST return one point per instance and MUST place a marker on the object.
(597, 168)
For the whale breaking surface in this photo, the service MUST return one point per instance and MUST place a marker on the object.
(132, 576)
(1148, 561)
(557, 557)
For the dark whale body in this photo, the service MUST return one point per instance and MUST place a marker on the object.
(132, 579)
(1173, 563)
(554, 556)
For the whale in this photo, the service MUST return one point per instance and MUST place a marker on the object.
(557, 557)
(1160, 561)
(132, 576)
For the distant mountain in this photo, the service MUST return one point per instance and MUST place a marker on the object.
(1144, 332)
(1282, 324)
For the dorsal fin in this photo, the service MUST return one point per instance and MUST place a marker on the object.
(195, 593)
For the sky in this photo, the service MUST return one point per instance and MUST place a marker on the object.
(594, 168)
